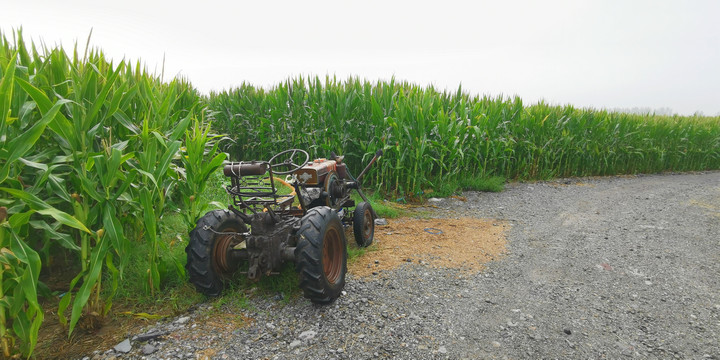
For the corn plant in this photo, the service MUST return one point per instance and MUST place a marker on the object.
(433, 137)
(88, 147)
(200, 146)
(154, 163)
(20, 312)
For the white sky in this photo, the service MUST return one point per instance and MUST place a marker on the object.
(613, 54)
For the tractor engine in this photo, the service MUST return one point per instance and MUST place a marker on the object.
(324, 182)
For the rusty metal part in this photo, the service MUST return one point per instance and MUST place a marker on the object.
(253, 193)
(334, 189)
(268, 244)
(289, 162)
(338, 158)
(245, 169)
(314, 173)
(332, 255)
(341, 170)
(227, 239)
(378, 154)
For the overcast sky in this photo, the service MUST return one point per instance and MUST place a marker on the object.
(612, 54)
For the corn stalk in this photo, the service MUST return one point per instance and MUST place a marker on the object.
(75, 131)
(432, 137)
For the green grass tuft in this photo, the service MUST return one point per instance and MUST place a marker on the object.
(383, 208)
(286, 283)
(456, 187)
(355, 252)
(492, 184)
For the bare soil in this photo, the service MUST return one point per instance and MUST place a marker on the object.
(463, 243)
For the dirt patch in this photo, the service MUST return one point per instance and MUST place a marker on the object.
(210, 330)
(53, 341)
(464, 243)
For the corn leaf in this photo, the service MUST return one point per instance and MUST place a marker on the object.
(6, 90)
(67, 299)
(61, 126)
(94, 270)
(21, 325)
(23, 143)
(115, 280)
(28, 256)
(19, 219)
(180, 128)
(65, 240)
(43, 208)
(164, 163)
(114, 231)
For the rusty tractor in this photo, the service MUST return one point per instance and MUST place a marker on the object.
(264, 227)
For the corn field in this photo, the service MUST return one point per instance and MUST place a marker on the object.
(431, 137)
(91, 152)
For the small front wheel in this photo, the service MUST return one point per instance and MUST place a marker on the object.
(363, 224)
(321, 255)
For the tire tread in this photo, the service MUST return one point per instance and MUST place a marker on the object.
(199, 260)
(308, 255)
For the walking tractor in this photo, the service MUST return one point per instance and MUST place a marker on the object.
(265, 227)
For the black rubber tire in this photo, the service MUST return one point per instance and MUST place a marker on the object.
(202, 266)
(363, 224)
(322, 275)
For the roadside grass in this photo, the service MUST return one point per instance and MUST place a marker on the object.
(457, 186)
(383, 207)
(235, 298)
(215, 189)
(355, 252)
(491, 184)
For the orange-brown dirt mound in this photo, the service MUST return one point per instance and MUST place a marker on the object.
(466, 244)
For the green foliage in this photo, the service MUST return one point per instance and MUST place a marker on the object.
(235, 299)
(89, 155)
(214, 191)
(96, 157)
(431, 138)
(491, 184)
(201, 159)
(383, 208)
(456, 186)
(354, 252)
(172, 238)
(19, 271)
(286, 283)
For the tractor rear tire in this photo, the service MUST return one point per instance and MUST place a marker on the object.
(207, 264)
(363, 224)
(321, 255)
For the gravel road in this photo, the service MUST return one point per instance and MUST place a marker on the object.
(595, 268)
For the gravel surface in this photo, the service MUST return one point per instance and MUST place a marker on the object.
(596, 268)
